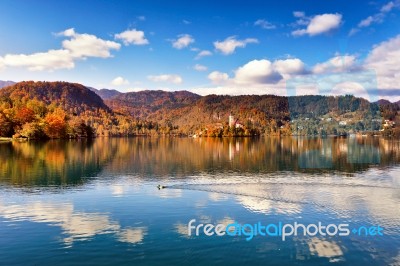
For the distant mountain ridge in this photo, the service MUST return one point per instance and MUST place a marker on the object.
(105, 93)
(5, 83)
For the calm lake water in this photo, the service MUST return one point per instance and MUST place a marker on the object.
(78, 202)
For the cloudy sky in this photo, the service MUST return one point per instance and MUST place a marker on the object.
(238, 47)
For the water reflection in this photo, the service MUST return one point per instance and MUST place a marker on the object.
(104, 192)
(52, 163)
(74, 224)
(327, 249)
(59, 163)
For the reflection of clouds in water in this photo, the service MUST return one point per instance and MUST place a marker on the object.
(77, 225)
(199, 204)
(374, 193)
(217, 196)
(267, 206)
(117, 190)
(169, 193)
(122, 185)
(396, 261)
(326, 249)
(132, 235)
(395, 176)
(205, 219)
(182, 229)
(226, 221)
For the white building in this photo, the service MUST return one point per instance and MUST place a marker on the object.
(231, 120)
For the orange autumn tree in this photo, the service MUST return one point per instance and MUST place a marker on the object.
(24, 115)
(55, 124)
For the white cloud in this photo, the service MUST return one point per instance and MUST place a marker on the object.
(298, 14)
(353, 31)
(289, 66)
(260, 72)
(119, 81)
(68, 32)
(217, 77)
(376, 18)
(183, 41)
(368, 21)
(50, 60)
(203, 53)
(389, 6)
(78, 47)
(339, 63)
(276, 89)
(186, 22)
(171, 78)
(264, 24)
(257, 71)
(229, 45)
(349, 87)
(132, 89)
(199, 67)
(86, 45)
(141, 18)
(384, 59)
(133, 36)
(378, 76)
(320, 24)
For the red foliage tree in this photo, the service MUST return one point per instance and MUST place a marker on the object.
(55, 124)
(24, 115)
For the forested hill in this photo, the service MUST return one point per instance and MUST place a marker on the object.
(144, 104)
(61, 109)
(71, 97)
(40, 110)
(186, 112)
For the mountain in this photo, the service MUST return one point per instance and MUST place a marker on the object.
(40, 110)
(382, 102)
(6, 83)
(62, 109)
(191, 112)
(144, 104)
(69, 96)
(105, 93)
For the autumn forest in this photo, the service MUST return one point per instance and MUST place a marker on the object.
(40, 110)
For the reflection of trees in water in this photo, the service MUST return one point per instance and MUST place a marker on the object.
(183, 157)
(68, 162)
(51, 163)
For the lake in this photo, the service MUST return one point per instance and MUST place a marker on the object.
(97, 202)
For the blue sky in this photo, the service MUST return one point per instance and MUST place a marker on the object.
(223, 47)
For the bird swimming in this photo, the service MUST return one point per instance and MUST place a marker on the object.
(161, 187)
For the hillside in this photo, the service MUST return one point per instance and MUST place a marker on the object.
(72, 97)
(58, 110)
(269, 114)
(61, 109)
(144, 104)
